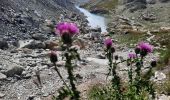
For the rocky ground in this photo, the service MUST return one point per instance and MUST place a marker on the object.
(19, 69)
(27, 42)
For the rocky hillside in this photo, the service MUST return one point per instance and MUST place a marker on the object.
(100, 6)
(21, 19)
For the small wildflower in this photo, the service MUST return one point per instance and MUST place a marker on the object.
(132, 55)
(108, 42)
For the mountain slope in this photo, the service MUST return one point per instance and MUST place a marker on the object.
(20, 18)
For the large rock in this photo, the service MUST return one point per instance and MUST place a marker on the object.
(99, 11)
(51, 44)
(36, 45)
(97, 29)
(151, 1)
(148, 16)
(39, 36)
(94, 35)
(13, 70)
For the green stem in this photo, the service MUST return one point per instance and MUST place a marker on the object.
(56, 69)
(71, 78)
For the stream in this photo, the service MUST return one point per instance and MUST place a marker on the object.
(94, 20)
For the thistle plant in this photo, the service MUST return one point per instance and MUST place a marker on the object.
(67, 32)
(54, 59)
(112, 68)
(138, 83)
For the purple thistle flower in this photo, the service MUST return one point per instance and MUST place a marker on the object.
(62, 27)
(108, 42)
(66, 27)
(145, 47)
(132, 55)
(73, 29)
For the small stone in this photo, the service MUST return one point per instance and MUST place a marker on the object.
(79, 76)
(164, 97)
(100, 56)
(60, 63)
(2, 76)
(159, 76)
(98, 61)
(2, 95)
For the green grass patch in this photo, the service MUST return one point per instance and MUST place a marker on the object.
(164, 40)
(99, 92)
(129, 39)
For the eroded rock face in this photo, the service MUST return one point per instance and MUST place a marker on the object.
(19, 19)
(134, 5)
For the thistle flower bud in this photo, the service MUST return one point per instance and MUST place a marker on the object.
(53, 57)
(153, 63)
(143, 53)
(112, 49)
(137, 50)
(66, 38)
(116, 57)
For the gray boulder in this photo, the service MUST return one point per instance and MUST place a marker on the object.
(151, 1)
(13, 70)
(36, 45)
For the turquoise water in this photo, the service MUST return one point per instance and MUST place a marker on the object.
(94, 20)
